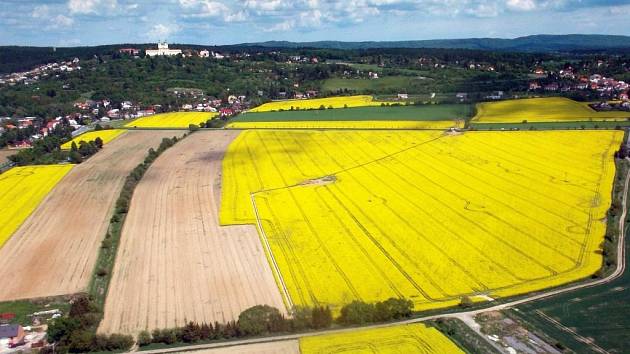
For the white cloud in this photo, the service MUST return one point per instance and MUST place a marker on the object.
(484, 10)
(521, 5)
(61, 21)
(41, 11)
(163, 31)
(82, 6)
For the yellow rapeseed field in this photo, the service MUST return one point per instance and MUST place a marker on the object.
(23, 188)
(106, 135)
(550, 109)
(335, 102)
(420, 214)
(356, 124)
(171, 120)
(411, 339)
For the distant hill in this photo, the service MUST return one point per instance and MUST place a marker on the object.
(17, 58)
(535, 43)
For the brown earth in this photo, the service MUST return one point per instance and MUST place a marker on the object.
(175, 263)
(285, 347)
(6, 153)
(54, 251)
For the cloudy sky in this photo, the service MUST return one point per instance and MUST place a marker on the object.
(92, 22)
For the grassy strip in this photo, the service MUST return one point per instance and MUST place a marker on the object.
(23, 308)
(551, 125)
(467, 339)
(430, 112)
(101, 275)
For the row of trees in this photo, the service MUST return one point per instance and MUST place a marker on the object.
(263, 319)
(76, 333)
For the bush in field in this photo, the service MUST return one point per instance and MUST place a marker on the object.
(259, 319)
(321, 317)
(144, 338)
(357, 312)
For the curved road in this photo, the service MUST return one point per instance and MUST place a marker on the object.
(621, 266)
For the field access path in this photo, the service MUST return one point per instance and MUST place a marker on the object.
(54, 251)
(619, 270)
(175, 263)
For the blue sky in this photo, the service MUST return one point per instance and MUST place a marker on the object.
(93, 22)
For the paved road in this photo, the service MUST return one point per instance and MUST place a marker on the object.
(621, 266)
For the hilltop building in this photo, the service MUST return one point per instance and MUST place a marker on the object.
(162, 49)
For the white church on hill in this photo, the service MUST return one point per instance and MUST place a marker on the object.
(162, 49)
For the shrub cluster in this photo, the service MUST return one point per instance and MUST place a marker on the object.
(85, 149)
(77, 332)
(257, 320)
(359, 312)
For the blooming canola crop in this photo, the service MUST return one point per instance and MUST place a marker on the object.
(23, 188)
(316, 103)
(411, 339)
(423, 215)
(107, 135)
(171, 120)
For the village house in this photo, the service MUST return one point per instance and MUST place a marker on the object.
(13, 334)
(461, 96)
(129, 51)
(552, 86)
(204, 53)
(162, 50)
(403, 96)
(534, 85)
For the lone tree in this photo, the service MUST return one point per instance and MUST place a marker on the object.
(259, 319)
(321, 317)
(98, 142)
(357, 312)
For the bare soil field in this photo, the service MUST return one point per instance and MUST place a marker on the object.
(55, 249)
(175, 263)
(4, 153)
(285, 347)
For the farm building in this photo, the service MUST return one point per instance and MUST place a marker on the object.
(13, 334)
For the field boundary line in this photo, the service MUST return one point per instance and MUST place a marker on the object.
(265, 241)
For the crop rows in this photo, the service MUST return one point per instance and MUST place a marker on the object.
(423, 216)
(413, 339)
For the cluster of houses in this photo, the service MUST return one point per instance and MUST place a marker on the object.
(124, 110)
(567, 81)
(234, 104)
(40, 72)
(15, 338)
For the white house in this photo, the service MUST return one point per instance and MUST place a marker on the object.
(204, 53)
(162, 50)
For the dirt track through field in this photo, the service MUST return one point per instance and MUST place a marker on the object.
(175, 263)
(54, 251)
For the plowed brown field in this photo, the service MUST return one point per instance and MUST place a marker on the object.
(175, 263)
(285, 347)
(54, 251)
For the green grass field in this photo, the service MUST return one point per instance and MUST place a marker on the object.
(397, 113)
(599, 314)
(367, 85)
(23, 308)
